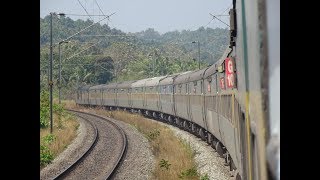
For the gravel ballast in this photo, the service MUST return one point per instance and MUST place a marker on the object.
(139, 162)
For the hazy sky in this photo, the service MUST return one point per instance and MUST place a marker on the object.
(138, 15)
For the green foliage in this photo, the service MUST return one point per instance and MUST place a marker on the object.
(48, 139)
(205, 177)
(164, 164)
(152, 135)
(46, 155)
(192, 172)
(187, 147)
(132, 56)
(44, 109)
(58, 109)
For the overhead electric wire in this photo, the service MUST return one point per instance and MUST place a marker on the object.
(219, 20)
(87, 27)
(82, 51)
(221, 14)
(85, 10)
(84, 15)
(99, 7)
(227, 8)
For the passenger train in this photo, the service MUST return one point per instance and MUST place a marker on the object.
(232, 104)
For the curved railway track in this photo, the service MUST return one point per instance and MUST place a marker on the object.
(110, 142)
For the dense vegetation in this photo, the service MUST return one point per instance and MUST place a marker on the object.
(64, 130)
(123, 56)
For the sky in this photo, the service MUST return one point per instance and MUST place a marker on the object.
(139, 15)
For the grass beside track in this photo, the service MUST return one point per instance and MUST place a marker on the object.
(174, 157)
(64, 131)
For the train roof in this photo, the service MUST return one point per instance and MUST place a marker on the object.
(84, 88)
(214, 67)
(224, 55)
(96, 87)
(108, 86)
(183, 77)
(168, 79)
(211, 70)
(139, 83)
(125, 84)
(154, 81)
(197, 74)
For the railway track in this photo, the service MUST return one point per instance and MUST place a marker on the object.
(104, 156)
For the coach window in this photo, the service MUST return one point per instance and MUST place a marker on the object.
(183, 89)
(195, 87)
(214, 83)
(170, 89)
(209, 80)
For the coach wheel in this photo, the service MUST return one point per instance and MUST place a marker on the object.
(193, 128)
(201, 134)
(237, 176)
(170, 119)
(227, 159)
(177, 122)
(185, 125)
(209, 138)
(219, 149)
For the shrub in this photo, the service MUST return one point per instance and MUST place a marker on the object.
(205, 177)
(44, 109)
(152, 135)
(192, 172)
(164, 164)
(46, 155)
(48, 139)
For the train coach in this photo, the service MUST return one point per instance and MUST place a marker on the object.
(233, 104)
(190, 100)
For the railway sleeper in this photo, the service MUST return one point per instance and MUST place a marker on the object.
(192, 128)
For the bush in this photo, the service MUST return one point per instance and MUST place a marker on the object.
(189, 173)
(44, 109)
(46, 155)
(205, 177)
(164, 164)
(48, 139)
(58, 108)
(152, 135)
